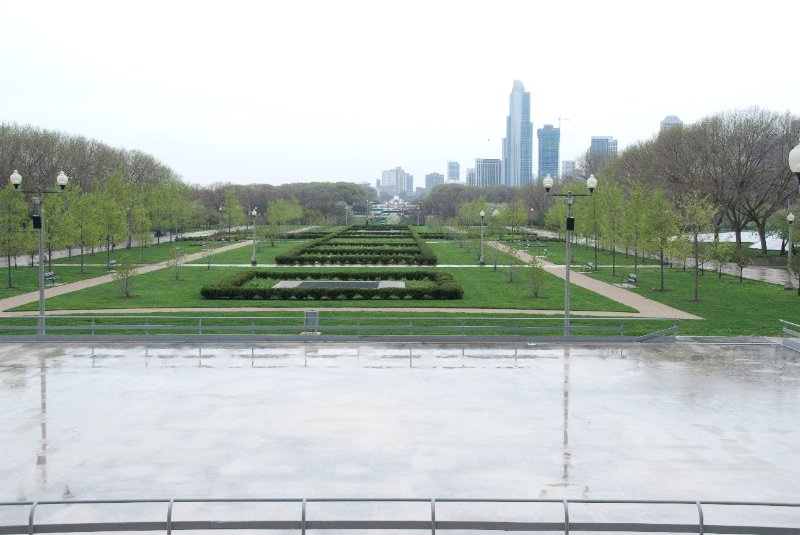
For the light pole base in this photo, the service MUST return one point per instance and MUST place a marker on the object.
(788, 286)
(481, 262)
(253, 262)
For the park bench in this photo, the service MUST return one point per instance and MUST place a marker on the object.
(199, 244)
(589, 266)
(542, 253)
(632, 278)
(51, 278)
(112, 264)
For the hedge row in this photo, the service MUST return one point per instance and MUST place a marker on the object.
(233, 287)
(324, 251)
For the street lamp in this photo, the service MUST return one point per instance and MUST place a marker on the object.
(591, 184)
(794, 162)
(254, 213)
(788, 285)
(481, 261)
(38, 222)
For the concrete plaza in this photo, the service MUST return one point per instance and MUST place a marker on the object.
(675, 421)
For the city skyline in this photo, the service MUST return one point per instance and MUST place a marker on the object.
(263, 92)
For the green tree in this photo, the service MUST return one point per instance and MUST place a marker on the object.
(88, 227)
(720, 252)
(536, 275)
(611, 206)
(634, 222)
(742, 258)
(232, 210)
(123, 274)
(13, 216)
(697, 216)
(661, 227)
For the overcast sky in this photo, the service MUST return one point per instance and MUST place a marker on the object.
(292, 91)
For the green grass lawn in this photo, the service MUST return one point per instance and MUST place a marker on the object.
(152, 254)
(466, 253)
(265, 254)
(729, 308)
(483, 288)
(25, 279)
(581, 254)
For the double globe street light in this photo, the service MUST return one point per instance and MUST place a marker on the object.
(569, 199)
(38, 222)
(253, 261)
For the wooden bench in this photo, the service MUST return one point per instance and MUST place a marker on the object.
(632, 278)
(50, 277)
(588, 266)
(112, 264)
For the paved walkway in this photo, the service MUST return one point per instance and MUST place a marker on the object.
(646, 307)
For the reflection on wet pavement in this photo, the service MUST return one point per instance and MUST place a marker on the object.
(672, 421)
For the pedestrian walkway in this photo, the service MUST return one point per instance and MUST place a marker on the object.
(646, 307)
(24, 299)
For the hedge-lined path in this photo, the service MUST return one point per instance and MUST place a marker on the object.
(646, 307)
(24, 299)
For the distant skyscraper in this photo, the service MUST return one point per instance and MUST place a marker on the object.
(396, 182)
(549, 140)
(518, 143)
(603, 147)
(488, 172)
(670, 121)
(453, 172)
(568, 168)
(471, 177)
(432, 180)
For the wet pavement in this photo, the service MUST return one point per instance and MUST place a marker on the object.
(676, 421)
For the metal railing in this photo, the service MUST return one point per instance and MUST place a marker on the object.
(762, 517)
(333, 327)
(791, 336)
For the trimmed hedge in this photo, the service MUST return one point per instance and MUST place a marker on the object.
(364, 244)
(233, 287)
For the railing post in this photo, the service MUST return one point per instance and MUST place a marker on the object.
(199, 325)
(303, 519)
(566, 517)
(30, 517)
(146, 325)
(94, 321)
(169, 516)
(700, 525)
(433, 516)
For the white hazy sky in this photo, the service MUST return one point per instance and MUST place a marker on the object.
(292, 91)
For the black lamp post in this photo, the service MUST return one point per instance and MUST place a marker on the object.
(253, 261)
(481, 261)
(38, 222)
(788, 285)
(591, 184)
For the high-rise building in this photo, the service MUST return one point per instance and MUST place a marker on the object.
(549, 140)
(568, 168)
(471, 177)
(453, 172)
(488, 172)
(432, 180)
(670, 121)
(518, 143)
(603, 147)
(395, 182)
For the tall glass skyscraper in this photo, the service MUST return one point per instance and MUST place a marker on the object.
(518, 143)
(549, 140)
